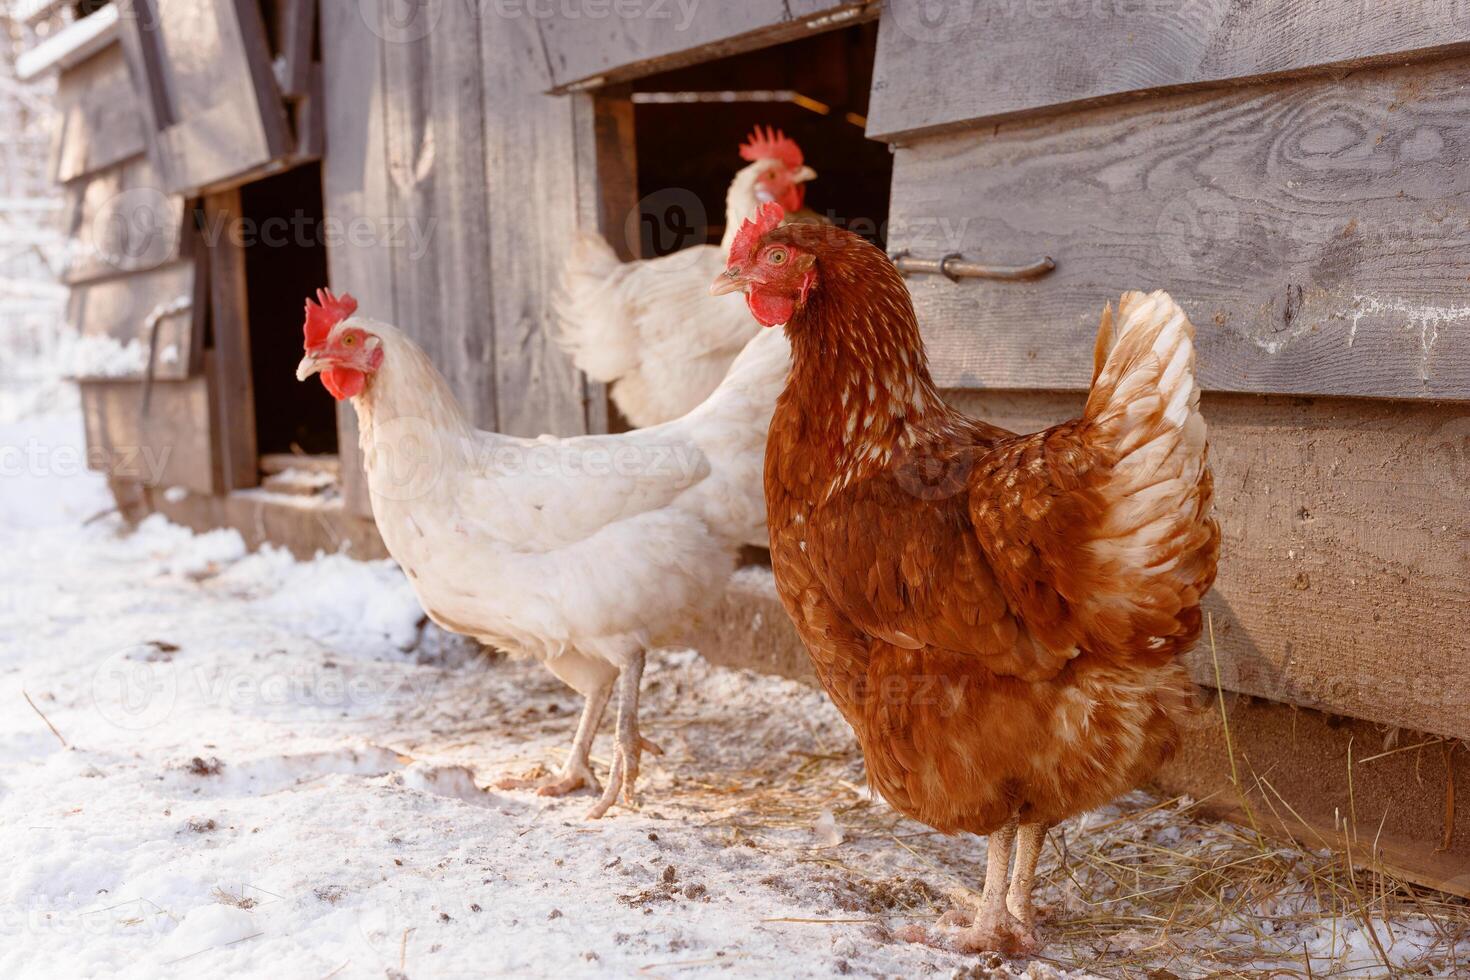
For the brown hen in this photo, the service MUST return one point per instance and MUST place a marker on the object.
(998, 616)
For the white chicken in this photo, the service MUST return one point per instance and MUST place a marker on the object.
(582, 552)
(649, 328)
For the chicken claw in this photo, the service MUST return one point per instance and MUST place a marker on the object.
(568, 779)
(629, 746)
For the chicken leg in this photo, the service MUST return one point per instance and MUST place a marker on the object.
(994, 928)
(1030, 838)
(576, 772)
(629, 745)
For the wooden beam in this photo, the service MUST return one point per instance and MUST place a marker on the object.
(531, 214)
(605, 151)
(1324, 781)
(941, 65)
(355, 187)
(1315, 232)
(649, 36)
(72, 45)
(295, 31)
(229, 311)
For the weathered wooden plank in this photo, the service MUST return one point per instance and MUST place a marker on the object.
(941, 64)
(639, 37)
(119, 221)
(606, 160)
(212, 109)
(531, 215)
(1343, 782)
(126, 308)
(229, 317)
(73, 44)
(172, 444)
(1345, 550)
(1315, 231)
(355, 192)
(294, 29)
(99, 120)
(436, 161)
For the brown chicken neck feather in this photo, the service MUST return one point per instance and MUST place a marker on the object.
(859, 370)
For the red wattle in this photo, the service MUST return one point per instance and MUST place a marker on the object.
(343, 382)
(770, 309)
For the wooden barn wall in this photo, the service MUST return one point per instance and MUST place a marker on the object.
(460, 176)
(942, 65)
(1315, 231)
(1312, 217)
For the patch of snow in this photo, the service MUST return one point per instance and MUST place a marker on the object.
(270, 768)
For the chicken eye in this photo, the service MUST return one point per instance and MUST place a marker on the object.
(776, 256)
(349, 340)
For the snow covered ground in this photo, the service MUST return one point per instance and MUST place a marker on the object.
(264, 767)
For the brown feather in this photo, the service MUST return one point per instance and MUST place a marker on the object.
(998, 616)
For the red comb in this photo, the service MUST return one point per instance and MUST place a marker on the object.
(326, 313)
(767, 219)
(771, 144)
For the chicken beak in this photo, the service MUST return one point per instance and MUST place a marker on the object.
(803, 175)
(726, 282)
(309, 365)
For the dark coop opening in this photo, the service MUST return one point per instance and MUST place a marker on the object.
(285, 261)
(690, 122)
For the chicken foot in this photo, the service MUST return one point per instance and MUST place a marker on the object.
(995, 928)
(628, 745)
(576, 772)
(1030, 838)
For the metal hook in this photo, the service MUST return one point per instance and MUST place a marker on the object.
(944, 266)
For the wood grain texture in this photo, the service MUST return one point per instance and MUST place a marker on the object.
(119, 221)
(1315, 232)
(1327, 769)
(655, 35)
(606, 155)
(437, 194)
(532, 213)
(229, 316)
(122, 308)
(212, 110)
(355, 192)
(172, 445)
(99, 120)
(943, 63)
(293, 24)
(1344, 555)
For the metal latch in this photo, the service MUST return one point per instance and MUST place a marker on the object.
(954, 267)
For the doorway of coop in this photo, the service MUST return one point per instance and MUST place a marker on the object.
(690, 122)
(285, 261)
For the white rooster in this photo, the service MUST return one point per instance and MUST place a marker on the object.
(581, 552)
(650, 328)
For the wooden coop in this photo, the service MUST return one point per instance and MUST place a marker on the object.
(1295, 173)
